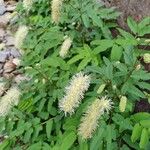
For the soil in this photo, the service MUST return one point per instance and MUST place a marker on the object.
(138, 9)
(142, 106)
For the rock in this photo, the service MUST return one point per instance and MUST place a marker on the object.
(1, 66)
(11, 2)
(3, 57)
(9, 40)
(1, 71)
(16, 61)
(10, 8)
(8, 76)
(2, 7)
(4, 19)
(9, 66)
(2, 33)
(14, 52)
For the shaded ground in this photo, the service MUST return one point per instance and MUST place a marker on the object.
(138, 9)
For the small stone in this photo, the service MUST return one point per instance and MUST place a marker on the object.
(4, 20)
(9, 66)
(2, 7)
(2, 33)
(10, 40)
(8, 75)
(16, 61)
(11, 2)
(14, 52)
(1, 66)
(1, 71)
(3, 57)
(10, 8)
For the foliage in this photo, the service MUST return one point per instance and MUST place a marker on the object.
(37, 123)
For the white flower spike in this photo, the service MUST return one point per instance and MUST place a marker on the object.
(65, 47)
(20, 36)
(89, 121)
(74, 93)
(10, 99)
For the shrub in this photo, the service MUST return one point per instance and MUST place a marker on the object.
(110, 65)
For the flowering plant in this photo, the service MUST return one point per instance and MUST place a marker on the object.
(83, 82)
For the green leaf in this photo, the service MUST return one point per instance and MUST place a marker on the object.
(126, 42)
(95, 18)
(103, 45)
(27, 135)
(135, 91)
(68, 141)
(126, 34)
(140, 74)
(4, 145)
(109, 137)
(49, 125)
(37, 146)
(132, 25)
(140, 116)
(86, 20)
(136, 133)
(144, 139)
(144, 31)
(145, 123)
(143, 85)
(75, 59)
(144, 23)
(116, 53)
(83, 63)
(97, 139)
(127, 140)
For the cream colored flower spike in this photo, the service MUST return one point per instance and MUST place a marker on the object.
(146, 58)
(9, 100)
(56, 10)
(20, 36)
(89, 121)
(65, 47)
(123, 103)
(79, 84)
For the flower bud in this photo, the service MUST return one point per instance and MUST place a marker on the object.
(122, 104)
(146, 58)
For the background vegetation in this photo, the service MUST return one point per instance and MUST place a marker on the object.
(113, 62)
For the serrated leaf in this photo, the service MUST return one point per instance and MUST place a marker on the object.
(144, 22)
(140, 116)
(36, 146)
(95, 142)
(143, 85)
(140, 74)
(144, 139)
(126, 34)
(68, 141)
(116, 53)
(136, 133)
(109, 137)
(132, 25)
(27, 135)
(83, 63)
(135, 91)
(49, 126)
(86, 20)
